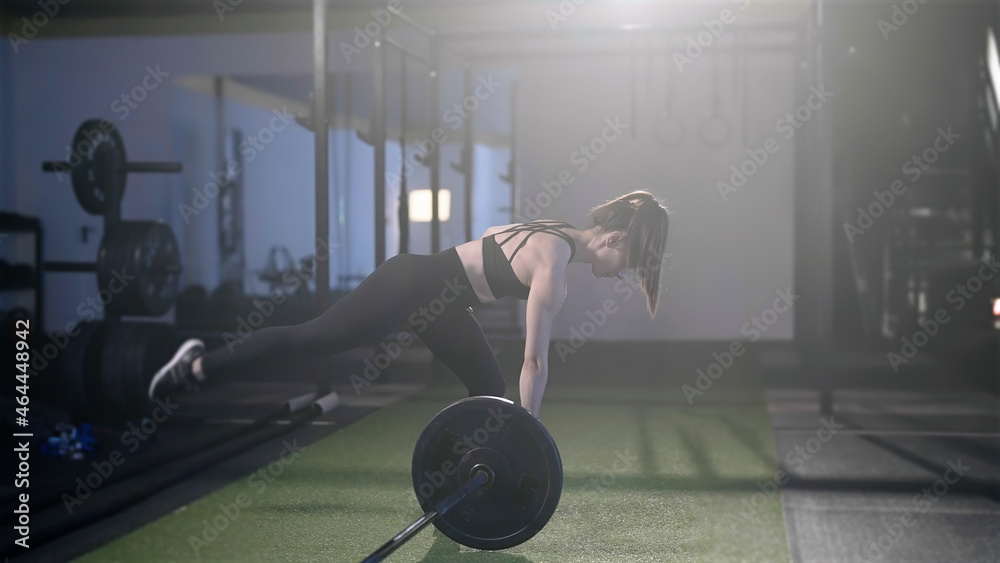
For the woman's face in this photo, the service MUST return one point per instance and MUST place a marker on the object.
(612, 256)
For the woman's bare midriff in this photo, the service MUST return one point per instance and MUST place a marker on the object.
(471, 254)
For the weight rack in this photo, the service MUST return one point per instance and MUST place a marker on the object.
(21, 224)
(107, 170)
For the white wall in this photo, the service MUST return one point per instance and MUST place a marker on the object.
(728, 258)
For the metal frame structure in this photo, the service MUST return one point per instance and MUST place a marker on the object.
(377, 134)
(813, 331)
(319, 116)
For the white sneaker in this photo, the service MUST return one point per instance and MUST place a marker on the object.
(178, 370)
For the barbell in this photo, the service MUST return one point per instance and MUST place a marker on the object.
(97, 163)
(487, 473)
(138, 268)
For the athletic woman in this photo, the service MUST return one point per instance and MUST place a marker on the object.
(434, 294)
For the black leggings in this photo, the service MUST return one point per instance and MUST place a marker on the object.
(430, 293)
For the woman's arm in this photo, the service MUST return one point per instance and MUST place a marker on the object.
(548, 291)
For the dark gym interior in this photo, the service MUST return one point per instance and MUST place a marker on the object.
(819, 384)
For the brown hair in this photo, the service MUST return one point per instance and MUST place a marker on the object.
(644, 220)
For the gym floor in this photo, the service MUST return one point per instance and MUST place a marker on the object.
(648, 476)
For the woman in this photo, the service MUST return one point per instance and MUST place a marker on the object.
(434, 294)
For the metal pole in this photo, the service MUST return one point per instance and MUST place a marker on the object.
(322, 132)
(434, 108)
(402, 537)
(377, 132)
(345, 192)
(804, 247)
(512, 163)
(112, 218)
(515, 35)
(439, 509)
(467, 156)
(510, 56)
(821, 166)
(404, 204)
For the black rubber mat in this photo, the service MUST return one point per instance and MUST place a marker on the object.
(907, 477)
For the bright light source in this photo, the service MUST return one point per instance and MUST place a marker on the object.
(420, 205)
(996, 306)
(993, 63)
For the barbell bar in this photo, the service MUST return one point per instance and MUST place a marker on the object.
(100, 165)
(479, 480)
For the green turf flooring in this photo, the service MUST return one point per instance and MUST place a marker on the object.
(690, 472)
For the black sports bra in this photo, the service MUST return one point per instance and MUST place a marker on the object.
(499, 273)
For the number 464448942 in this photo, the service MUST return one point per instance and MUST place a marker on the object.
(22, 327)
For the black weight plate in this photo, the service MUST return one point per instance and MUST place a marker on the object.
(158, 263)
(110, 259)
(130, 302)
(147, 257)
(522, 455)
(97, 157)
(80, 373)
(115, 363)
